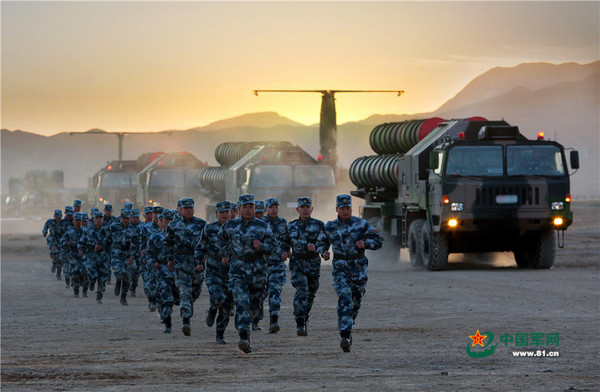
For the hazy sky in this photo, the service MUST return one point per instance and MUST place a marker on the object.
(150, 66)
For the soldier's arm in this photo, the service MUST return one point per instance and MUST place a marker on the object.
(284, 241)
(372, 238)
(323, 243)
(223, 242)
(45, 229)
(169, 242)
(268, 244)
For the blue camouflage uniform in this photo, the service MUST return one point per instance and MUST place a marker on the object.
(64, 225)
(181, 240)
(305, 266)
(276, 266)
(247, 266)
(95, 261)
(349, 263)
(149, 274)
(217, 275)
(122, 239)
(158, 258)
(107, 222)
(49, 231)
(134, 268)
(69, 242)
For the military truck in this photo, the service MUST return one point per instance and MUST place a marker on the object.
(164, 178)
(469, 185)
(267, 169)
(114, 184)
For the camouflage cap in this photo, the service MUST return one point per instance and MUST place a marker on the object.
(271, 201)
(135, 213)
(128, 206)
(77, 203)
(125, 213)
(108, 207)
(223, 206)
(179, 202)
(246, 199)
(260, 206)
(167, 214)
(97, 214)
(187, 202)
(233, 206)
(77, 216)
(304, 201)
(148, 209)
(92, 210)
(57, 213)
(68, 210)
(343, 201)
(158, 209)
(84, 217)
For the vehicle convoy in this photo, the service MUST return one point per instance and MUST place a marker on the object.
(467, 185)
(38, 189)
(164, 178)
(267, 169)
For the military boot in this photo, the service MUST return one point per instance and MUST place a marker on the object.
(53, 268)
(167, 322)
(151, 306)
(85, 290)
(346, 341)
(186, 328)
(255, 326)
(210, 317)
(92, 284)
(125, 288)
(118, 287)
(98, 298)
(76, 292)
(221, 337)
(67, 283)
(58, 269)
(301, 327)
(244, 343)
(274, 326)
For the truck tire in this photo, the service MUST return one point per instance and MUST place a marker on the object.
(414, 242)
(434, 249)
(537, 252)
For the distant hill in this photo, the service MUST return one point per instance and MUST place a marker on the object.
(561, 100)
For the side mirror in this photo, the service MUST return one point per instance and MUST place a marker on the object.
(574, 159)
(434, 160)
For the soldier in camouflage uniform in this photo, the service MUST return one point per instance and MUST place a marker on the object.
(93, 251)
(181, 240)
(349, 236)
(234, 210)
(158, 258)
(243, 244)
(49, 231)
(305, 262)
(260, 209)
(276, 261)
(109, 219)
(259, 213)
(77, 205)
(84, 220)
(123, 241)
(149, 274)
(69, 242)
(65, 225)
(134, 268)
(217, 274)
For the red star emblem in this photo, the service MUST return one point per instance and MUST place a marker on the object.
(478, 339)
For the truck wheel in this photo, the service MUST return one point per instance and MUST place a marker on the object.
(434, 249)
(537, 252)
(414, 242)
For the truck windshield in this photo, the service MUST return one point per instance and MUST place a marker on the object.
(314, 175)
(475, 161)
(167, 178)
(271, 176)
(115, 180)
(534, 160)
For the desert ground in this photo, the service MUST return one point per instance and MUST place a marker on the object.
(412, 332)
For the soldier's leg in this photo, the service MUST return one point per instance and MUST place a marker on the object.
(165, 299)
(59, 264)
(214, 285)
(119, 271)
(343, 289)
(76, 280)
(276, 281)
(103, 273)
(300, 283)
(359, 287)
(183, 280)
(241, 298)
(224, 309)
(197, 280)
(313, 287)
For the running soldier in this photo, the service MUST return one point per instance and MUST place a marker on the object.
(234, 210)
(65, 225)
(167, 292)
(109, 220)
(50, 231)
(146, 270)
(276, 261)
(217, 273)
(122, 239)
(134, 268)
(69, 242)
(305, 263)
(181, 240)
(243, 244)
(349, 236)
(259, 213)
(77, 205)
(91, 248)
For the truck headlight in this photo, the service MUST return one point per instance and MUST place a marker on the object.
(456, 207)
(557, 205)
(558, 221)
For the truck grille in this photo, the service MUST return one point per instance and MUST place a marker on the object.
(526, 195)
